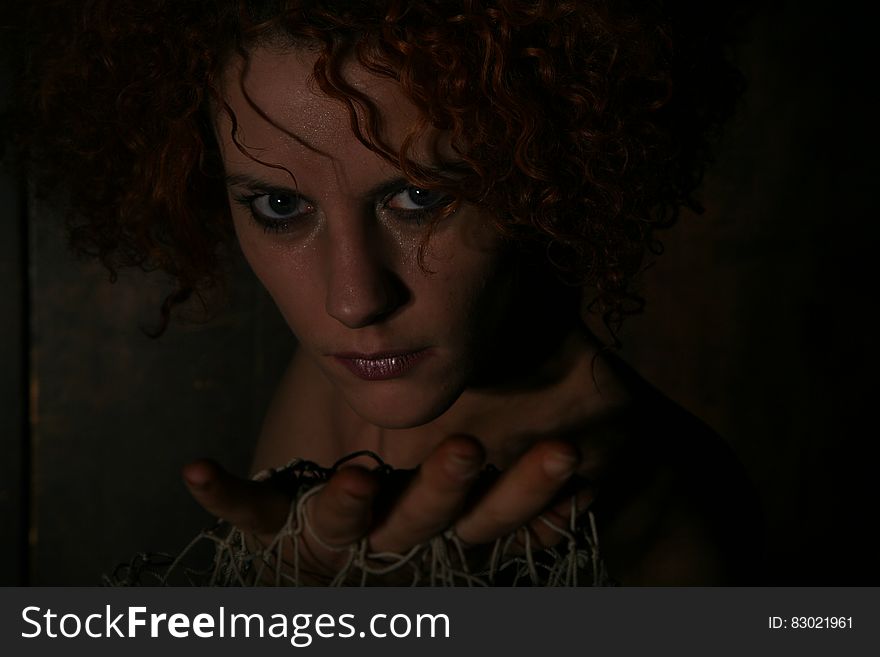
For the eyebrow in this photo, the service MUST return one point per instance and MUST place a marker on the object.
(377, 191)
(254, 182)
(261, 184)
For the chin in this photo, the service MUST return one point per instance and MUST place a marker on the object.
(395, 407)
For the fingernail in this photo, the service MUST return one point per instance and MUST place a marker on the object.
(357, 495)
(560, 464)
(197, 485)
(353, 501)
(197, 479)
(463, 467)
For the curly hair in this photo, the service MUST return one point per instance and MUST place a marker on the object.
(585, 125)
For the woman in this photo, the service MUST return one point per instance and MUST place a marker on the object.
(436, 195)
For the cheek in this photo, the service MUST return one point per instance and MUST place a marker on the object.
(477, 293)
(474, 275)
(290, 280)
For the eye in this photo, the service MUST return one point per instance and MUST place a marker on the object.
(414, 199)
(278, 208)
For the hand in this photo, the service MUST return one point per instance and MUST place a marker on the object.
(446, 491)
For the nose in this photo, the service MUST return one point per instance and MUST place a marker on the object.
(361, 288)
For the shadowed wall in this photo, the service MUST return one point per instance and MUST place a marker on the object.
(760, 312)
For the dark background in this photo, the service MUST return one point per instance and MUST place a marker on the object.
(760, 321)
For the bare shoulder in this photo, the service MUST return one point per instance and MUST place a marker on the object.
(676, 507)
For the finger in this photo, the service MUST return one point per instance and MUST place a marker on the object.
(433, 499)
(555, 523)
(251, 506)
(341, 513)
(520, 494)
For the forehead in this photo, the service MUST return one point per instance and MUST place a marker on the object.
(278, 104)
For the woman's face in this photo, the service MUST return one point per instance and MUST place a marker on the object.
(338, 248)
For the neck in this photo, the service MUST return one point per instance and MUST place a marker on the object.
(572, 387)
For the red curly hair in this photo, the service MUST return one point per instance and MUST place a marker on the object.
(584, 125)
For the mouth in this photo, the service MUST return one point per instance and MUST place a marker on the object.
(383, 365)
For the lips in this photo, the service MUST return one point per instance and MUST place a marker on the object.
(381, 366)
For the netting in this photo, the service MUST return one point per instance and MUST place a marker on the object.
(223, 555)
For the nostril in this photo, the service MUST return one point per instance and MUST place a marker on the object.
(366, 301)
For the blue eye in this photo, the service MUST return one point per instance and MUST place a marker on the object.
(279, 207)
(416, 198)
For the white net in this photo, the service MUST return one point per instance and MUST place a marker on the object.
(225, 556)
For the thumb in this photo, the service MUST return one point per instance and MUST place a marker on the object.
(251, 506)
